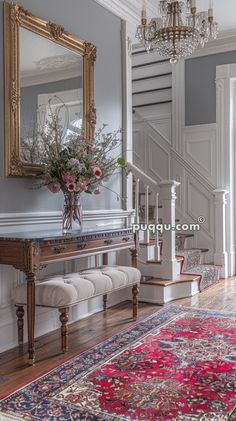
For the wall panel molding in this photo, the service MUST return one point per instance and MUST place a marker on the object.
(200, 150)
(55, 218)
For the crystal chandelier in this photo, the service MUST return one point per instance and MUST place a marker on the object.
(179, 29)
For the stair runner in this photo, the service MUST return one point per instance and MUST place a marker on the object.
(209, 274)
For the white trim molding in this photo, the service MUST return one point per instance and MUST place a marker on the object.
(20, 220)
(226, 159)
(220, 255)
(226, 41)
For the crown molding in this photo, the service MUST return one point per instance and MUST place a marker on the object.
(225, 42)
(130, 10)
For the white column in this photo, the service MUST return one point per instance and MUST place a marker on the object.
(127, 107)
(170, 267)
(137, 183)
(225, 123)
(220, 255)
(156, 220)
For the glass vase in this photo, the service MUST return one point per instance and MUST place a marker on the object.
(72, 213)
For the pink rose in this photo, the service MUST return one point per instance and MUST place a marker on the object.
(97, 172)
(68, 178)
(54, 187)
(71, 187)
(97, 191)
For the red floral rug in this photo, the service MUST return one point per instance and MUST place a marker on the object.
(178, 364)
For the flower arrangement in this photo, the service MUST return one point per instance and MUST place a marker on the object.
(75, 165)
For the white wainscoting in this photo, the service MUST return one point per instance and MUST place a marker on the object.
(196, 169)
(47, 320)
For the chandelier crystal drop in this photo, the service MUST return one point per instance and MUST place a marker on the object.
(178, 30)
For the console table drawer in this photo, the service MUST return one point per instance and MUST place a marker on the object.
(70, 249)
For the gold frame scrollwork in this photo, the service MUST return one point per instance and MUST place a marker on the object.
(16, 16)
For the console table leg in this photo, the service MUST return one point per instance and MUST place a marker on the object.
(64, 317)
(105, 259)
(135, 291)
(20, 325)
(134, 255)
(105, 302)
(31, 315)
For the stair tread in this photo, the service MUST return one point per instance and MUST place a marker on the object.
(203, 250)
(166, 282)
(158, 262)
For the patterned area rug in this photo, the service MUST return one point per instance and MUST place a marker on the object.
(209, 274)
(178, 365)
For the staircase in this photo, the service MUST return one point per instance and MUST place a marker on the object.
(170, 267)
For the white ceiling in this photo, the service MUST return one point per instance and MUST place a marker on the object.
(225, 10)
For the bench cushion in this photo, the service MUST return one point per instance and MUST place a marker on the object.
(66, 290)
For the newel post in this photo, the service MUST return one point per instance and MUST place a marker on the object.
(220, 255)
(170, 267)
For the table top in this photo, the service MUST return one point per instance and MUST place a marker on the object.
(51, 235)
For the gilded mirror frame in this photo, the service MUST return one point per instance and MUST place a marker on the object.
(16, 16)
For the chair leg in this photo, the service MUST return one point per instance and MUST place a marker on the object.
(104, 302)
(20, 325)
(135, 291)
(64, 317)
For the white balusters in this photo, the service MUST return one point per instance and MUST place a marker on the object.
(170, 268)
(156, 221)
(137, 185)
(147, 233)
(220, 255)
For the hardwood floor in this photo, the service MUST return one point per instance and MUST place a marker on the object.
(14, 370)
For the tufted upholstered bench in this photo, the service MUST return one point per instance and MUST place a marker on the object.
(65, 291)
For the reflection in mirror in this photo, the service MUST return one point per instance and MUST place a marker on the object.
(50, 75)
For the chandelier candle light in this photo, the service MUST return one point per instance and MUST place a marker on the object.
(179, 29)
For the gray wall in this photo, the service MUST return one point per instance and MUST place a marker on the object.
(89, 21)
(200, 88)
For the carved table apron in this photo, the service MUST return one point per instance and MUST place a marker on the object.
(29, 252)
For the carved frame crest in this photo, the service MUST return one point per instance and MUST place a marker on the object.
(16, 16)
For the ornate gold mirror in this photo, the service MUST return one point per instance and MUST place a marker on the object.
(44, 65)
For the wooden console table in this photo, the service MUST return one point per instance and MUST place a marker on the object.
(29, 252)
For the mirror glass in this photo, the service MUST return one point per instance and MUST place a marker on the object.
(51, 80)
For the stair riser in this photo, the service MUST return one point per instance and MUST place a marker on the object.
(146, 253)
(158, 294)
(155, 270)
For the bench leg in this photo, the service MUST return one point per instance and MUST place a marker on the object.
(135, 291)
(20, 325)
(64, 317)
(104, 302)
